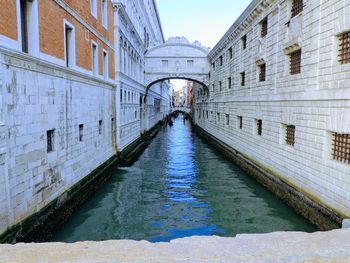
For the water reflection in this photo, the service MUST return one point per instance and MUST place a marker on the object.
(179, 187)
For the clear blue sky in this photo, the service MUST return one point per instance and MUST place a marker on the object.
(203, 20)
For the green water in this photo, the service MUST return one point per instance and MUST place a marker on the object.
(179, 187)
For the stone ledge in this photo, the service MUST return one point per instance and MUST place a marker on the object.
(332, 246)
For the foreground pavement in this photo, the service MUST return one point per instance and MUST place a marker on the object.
(332, 246)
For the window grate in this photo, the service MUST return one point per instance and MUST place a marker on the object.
(290, 135)
(243, 79)
(297, 7)
(295, 62)
(259, 127)
(262, 73)
(240, 122)
(341, 147)
(264, 27)
(244, 42)
(344, 48)
(50, 140)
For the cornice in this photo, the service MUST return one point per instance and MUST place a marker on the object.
(242, 23)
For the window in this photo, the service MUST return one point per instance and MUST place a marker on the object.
(239, 122)
(258, 127)
(264, 26)
(227, 119)
(29, 26)
(100, 127)
(262, 72)
(244, 42)
(121, 96)
(190, 63)
(81, 132)
(213, 87)
(218, 116)
(213, 65)
(297, 7)
(344, 48)
(104, 13)
(341, 147)
(105, 65)
(220, 85)
(229, 82)
(50, 136)
(290, 135)
(230, 54)
(24, 25)
(220, 61)
(207, 114)
(94, 59)
(68, 45)
(243, 79)
(165, 63)
(295, 62)
(93, 7)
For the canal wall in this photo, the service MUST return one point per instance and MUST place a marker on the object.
(323, 217)
(43, 176)
(332, 246)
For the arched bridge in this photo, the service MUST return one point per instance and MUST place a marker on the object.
(181, 109)
(177, 59)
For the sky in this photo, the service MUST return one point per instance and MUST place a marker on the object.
(203, 20)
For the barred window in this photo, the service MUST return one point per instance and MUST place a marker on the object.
(297, 7)
(240, 122)
(100, 126)
(259, 127)
(243, 79)
(229, 80)
(244, 42)
(341, 147)
(290, 135)
(50, 140)
(262, 73)
(344, 48)
(295, 62)
(230, 54)
(264, 25)
(81, 132)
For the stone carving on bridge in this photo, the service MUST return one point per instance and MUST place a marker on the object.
(177, 58)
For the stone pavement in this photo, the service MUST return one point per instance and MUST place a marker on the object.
(332, 246)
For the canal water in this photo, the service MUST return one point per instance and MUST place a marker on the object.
(179, 187)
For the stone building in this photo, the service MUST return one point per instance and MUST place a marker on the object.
(279, 95)
(137, 29)
(65, 108)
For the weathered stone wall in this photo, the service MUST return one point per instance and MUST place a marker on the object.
(37, 97)
(316, 101)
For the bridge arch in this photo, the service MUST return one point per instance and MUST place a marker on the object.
(177, 58)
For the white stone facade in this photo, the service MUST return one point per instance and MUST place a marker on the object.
(38, 97)
(137, 28)
(316, 101)
(177, 58)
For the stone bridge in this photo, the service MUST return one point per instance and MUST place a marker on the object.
(182, 109)
(177, 59)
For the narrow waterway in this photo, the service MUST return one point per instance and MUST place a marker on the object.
(179, 187)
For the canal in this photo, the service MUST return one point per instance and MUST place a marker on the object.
(180, 186)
